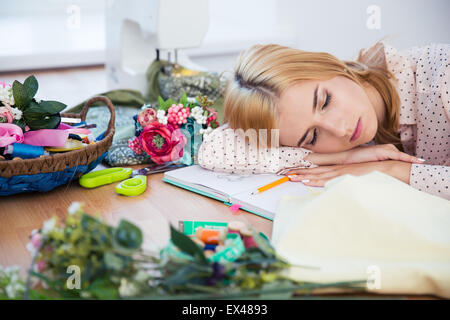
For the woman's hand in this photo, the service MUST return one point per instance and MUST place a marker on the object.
(316, 177)
(363, 154)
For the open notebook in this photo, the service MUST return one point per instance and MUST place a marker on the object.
(236, 189)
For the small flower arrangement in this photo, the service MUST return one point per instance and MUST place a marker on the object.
(19, 106)
(173, 130)
(111, 264)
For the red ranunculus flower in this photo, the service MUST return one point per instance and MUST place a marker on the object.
(162, 143)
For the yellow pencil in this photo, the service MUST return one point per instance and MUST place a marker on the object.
(271, 185)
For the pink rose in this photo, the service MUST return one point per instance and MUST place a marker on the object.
(146, 117)
(9, 134)
(6, 115)
(162, 142)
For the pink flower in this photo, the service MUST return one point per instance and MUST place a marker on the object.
(6, 115)
(9, 134)
(40, 265)
(162, 143)
(177, 115)
(146, 117)
(135, 145)
(36, 240)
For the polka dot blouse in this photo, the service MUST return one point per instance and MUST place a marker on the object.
(423, 75)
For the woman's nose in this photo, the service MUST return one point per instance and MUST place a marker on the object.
(338, 127)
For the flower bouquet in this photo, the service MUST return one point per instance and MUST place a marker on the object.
(81, 257)
(173, 131)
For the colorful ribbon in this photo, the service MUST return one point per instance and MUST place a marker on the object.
(10, 133)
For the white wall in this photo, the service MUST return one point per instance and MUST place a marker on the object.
(35, 34)
(335, 26)
(339, 27)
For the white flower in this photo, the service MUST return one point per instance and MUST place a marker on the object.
(48, 226)
(30, 248)
(14, 288)
(74, 208)
(86, 294)
(206, 131)
(16, 113)
(6, 94)
(161, 116)
(141, 276)
(198, 114)
(127, 288)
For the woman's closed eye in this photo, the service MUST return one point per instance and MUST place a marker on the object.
(326, 103)
(327, 100)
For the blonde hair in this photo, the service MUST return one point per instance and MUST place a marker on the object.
(263, 72)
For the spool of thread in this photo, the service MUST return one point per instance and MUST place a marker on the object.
(247, 238)
(211, 247)
(25, 151)
(235, 227)
(210, 236)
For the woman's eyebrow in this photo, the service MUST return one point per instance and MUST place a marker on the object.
(314, 106)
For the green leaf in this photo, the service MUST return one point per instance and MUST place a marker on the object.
(160, 102)
(184, 100)
(183, 275)
(128, 236)
(186, 245)
(52, 107)
(113, 262)
(31, 86)
(284, 290)
(21, 98)
(102, 288)
(36, 122)
(43, 115)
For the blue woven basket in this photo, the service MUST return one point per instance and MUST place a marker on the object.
(48, 172)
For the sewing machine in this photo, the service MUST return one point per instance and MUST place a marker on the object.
(140, 31)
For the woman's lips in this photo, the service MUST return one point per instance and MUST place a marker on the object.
(357, 131)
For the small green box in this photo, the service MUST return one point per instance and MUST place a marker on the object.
(190, 227)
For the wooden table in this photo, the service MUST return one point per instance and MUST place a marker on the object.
(161, 204)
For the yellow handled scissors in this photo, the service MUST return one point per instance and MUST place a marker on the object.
(135, 181)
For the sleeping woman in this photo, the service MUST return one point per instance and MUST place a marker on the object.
(315, 117)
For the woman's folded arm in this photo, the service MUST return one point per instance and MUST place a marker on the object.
(432, 179)
(226, 150)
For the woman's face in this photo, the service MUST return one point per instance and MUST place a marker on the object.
(326, 116)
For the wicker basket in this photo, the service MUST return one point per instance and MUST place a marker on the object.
(47, 172)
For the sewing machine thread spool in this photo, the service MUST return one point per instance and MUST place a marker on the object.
(210, 236)
(24, 151)
(211, 247)
(247, 238)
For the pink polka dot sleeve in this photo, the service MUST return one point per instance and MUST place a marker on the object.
(423, 75)
(226, 150)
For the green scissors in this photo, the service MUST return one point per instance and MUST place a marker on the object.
(135, 181)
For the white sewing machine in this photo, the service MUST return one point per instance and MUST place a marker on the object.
(139, 31)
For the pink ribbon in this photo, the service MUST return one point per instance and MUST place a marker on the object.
(9, 134)
(46, 137)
